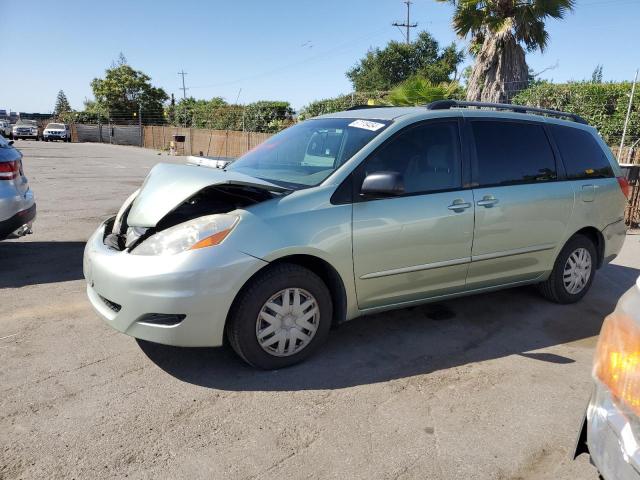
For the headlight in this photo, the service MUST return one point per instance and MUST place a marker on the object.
(198, 233)
(617, 359)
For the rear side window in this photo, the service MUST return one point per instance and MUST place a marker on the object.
(581, 154)
(510, 153)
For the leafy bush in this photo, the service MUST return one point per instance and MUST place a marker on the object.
(262, 116)
(267, 116)
(342, 102)
(603, 105)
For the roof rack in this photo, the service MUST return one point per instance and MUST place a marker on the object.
(447, 104)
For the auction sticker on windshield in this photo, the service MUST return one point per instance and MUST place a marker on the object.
(367, 125)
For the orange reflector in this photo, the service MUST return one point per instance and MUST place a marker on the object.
(214, 239)
(617, 360)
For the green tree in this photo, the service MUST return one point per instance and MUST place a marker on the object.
(383, 69)
(62, 104)
(420, 91)
(124, 90)
(596, 76)
(498, 30)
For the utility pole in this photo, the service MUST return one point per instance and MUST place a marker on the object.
(408, 25)
(140, 124)
(184, 89)
(626, 120)
(184, 93)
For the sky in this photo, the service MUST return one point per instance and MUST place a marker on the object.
(247, 50)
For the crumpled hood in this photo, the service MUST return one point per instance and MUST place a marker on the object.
(169, 185)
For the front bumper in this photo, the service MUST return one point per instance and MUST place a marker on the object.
(613, 444)
(200, 285)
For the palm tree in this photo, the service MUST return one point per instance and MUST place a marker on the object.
(498, 30)
(418, 90)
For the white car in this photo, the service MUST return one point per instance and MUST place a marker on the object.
(5, 128)
(57, 131)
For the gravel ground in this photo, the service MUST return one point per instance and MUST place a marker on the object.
(485, 387)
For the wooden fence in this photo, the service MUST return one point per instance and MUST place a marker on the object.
(200, 141)
(629, 155)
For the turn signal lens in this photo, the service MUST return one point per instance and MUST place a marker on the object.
(214, 239)
(617, 360)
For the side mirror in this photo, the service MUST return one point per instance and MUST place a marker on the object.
(383, 184)
(10, 142)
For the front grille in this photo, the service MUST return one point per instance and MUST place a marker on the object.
(112, 305)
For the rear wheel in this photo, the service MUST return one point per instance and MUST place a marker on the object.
(281, 317)
(573, 271)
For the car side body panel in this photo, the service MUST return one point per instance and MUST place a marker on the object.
(518, 238)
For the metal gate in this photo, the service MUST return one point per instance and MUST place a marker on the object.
(115, 134)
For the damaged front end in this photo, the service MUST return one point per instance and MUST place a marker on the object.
(183, 207)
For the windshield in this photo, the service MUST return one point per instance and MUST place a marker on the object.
(307, 153)
(56, 126)
(31, 123)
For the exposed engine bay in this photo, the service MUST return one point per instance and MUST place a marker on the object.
(208, 201)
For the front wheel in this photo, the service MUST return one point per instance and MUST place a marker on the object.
(573, 271)
(281, 317)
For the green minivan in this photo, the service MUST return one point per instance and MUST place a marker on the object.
(358, 212)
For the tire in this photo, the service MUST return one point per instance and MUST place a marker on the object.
(559, 290)
(250, 312)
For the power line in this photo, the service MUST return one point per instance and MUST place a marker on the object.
(341, 47)
(408, 25)
(184, 89)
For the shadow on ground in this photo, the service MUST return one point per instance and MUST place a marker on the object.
(416, 340)
(32, 263)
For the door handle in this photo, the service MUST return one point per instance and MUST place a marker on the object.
(487, 201)
(459, 205)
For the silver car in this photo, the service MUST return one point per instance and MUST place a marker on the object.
(353, 213)
(17, 203)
